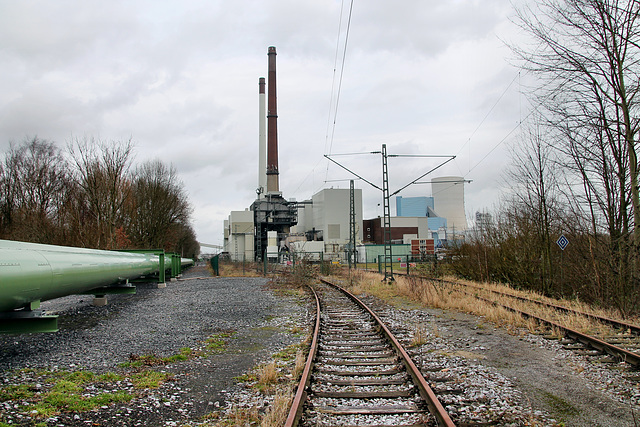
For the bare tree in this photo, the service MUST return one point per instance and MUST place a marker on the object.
(34, 181)
(586, 54)
(161, 206)
(104, 186)
(532, 177)
(587, 57)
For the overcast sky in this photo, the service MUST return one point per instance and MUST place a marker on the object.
(180, 78)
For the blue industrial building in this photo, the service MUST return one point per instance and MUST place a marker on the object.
(415, 206)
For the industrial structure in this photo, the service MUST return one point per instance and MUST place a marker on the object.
(35, 272)
(271, 212)
(448, 197)
(330, 223)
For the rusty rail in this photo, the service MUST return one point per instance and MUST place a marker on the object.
(298, 401)
(425, 391)
(603, 346)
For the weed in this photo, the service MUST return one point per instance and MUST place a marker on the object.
(299, 366)
(109, 377)
(295, 330)
(79, 377)
(16, 392)
(237, 417)
(246, 378)
(149, 379)
(420, 336)
(185, 354)
(217, 343)
(559, 406)
(137, 362)
(288, 353)
(67, 396)
(278, 411)
(67, 387)
(267, 376)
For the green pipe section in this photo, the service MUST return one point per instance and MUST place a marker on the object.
(31, 272)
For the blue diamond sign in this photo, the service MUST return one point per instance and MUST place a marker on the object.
(563, 242)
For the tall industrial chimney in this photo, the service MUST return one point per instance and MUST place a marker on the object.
(273, 216)
(262, 140)
(273, 185)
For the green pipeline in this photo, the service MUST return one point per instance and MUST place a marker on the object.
(32, 272)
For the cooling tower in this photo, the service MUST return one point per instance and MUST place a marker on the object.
(448, 198)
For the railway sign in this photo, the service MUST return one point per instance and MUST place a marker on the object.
(563, 242)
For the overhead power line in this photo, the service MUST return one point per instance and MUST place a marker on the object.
(337, 102)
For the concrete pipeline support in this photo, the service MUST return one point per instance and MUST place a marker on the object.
(31, 273)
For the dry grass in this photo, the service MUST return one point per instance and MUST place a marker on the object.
(296, 372)
(277, 413)
(236, 269)
(237, 417)
(267, 376)
(448, 296)
(420, 335)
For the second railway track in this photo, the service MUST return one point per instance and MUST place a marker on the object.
(358, 373)
(610, 338)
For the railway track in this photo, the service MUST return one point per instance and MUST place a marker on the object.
(619, 325)
(357, 373)
(615, 339)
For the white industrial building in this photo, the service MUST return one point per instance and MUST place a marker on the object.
(326, 218)
(323, 224)
(239, 235)
(323, 227)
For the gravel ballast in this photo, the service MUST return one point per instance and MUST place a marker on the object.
(525, 378)
(157, 322)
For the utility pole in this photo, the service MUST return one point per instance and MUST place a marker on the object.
(352, 225)
(388, 256)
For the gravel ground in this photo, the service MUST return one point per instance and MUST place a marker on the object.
(514, 378)
(159, 322)
(520, 378)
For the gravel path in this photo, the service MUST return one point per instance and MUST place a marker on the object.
(159, 322)
(525, 379)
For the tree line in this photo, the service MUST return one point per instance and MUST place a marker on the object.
(92, 195)
(575, 167)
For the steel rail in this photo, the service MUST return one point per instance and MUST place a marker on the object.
(425, 391)
(301, 394)
(611, 322)
(603, 346)
(635, 329)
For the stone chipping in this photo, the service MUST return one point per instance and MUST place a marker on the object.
(483, 373)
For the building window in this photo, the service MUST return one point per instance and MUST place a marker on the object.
(333, 231)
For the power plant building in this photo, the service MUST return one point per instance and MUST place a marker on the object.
(326, 218)
(448, 198)
(239, 235)
(275, 226)
(415, 206)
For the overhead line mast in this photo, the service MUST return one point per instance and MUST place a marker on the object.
(388, 255)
